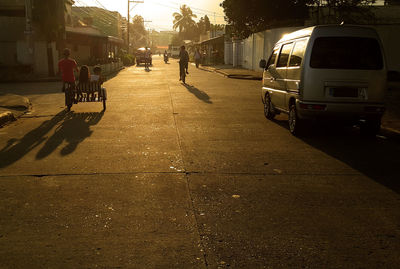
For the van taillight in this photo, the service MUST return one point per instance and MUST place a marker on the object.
(312, 106)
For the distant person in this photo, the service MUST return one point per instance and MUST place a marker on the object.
(147, 56)
(97, 77)
(165, 56)
(183, 62)
(66, 67)
(197, 57)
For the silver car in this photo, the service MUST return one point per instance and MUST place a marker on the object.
(332, 72)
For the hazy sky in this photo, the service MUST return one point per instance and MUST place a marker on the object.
(159, 12)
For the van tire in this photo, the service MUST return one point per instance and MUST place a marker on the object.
(269, 112)
(295, 123)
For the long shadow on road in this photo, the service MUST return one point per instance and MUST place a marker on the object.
(74, 128)
(375, 157)
(203, 96)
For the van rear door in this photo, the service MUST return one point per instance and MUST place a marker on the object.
(345, 69)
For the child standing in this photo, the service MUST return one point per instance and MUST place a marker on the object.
(98, 78)
(84, 79)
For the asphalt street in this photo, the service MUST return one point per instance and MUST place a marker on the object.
(190, 176)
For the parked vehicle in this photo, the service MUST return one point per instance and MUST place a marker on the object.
(173, 51)
(326, 73)
(141, 56)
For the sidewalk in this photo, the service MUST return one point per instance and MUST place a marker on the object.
(230, 72)
(12, 106)
(390, 120)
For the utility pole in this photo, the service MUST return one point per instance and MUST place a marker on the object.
(148, 33)
(28, 28)
(129, 9)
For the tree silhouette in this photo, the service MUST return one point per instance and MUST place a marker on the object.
(184, 21)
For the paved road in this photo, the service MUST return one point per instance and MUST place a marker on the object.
(175, 176)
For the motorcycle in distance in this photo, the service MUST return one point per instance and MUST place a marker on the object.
(165, 57)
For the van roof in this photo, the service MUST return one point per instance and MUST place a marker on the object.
(356, 29)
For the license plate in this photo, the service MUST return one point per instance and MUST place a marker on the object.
(344, 92)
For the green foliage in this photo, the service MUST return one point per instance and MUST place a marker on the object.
(49, 16)
(138, 32)
(251, 16)
(177, 40)
(128, 59)
(350, 12)
(185, 23)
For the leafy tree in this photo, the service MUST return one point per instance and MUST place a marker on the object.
(392, 2)
(207, 23)
(138, 32)
(176, 40)
(250, 16)
(353, 11)
(48, 15)
(201, 26)
(184, 22)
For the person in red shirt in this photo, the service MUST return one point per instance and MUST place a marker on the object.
(67, 66)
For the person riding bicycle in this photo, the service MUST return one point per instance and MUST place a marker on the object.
(165, 56)
(183, 62)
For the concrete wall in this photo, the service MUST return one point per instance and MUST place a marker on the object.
(258, 46)
(81, 53)
(228, 53)
(40, 65)
(8, 53)
(12, 3)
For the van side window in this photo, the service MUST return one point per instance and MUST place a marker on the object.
(284, 56)
(298, 53)
(272, 58)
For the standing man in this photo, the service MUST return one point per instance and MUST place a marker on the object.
(66, 67)
(183, 62)
(197, 57)
(147, 57)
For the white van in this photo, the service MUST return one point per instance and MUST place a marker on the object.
(326, 72)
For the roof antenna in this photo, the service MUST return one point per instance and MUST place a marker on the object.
(342, 23)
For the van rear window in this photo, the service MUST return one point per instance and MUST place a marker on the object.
(346, 53)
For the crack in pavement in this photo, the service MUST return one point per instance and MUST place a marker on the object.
(174, 115)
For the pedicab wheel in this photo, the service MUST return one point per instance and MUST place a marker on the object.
(104, 104)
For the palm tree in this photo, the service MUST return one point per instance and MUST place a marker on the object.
(184, 20)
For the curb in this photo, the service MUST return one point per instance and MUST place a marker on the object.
(390, 130)
(238, 76)
(234, 76)
(6, 117)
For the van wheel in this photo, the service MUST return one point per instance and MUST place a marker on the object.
(295, 124)
(269, 112)
(370, 127)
